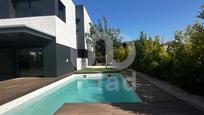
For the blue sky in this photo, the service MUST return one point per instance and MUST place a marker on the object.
(155, 17)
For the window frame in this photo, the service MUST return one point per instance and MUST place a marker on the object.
(61, 11)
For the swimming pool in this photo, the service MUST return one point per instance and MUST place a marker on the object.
(89, 88)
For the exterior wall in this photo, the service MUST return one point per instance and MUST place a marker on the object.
(84, 27)
(87, 26)
(80, 62)
(49, 59)
(80, 32)
(58, 59)
(66, 59)
(66, 40)
(87, 21)
(66, 32)
(44, 24)
(60, 55)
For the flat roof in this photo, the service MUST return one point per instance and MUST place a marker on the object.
(22, 36)
(25, 29)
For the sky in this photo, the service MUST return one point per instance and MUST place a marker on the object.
(154, 17)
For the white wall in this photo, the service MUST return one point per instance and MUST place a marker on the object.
(45, 24)
(66, 32)
(80, 64)
(87, 21)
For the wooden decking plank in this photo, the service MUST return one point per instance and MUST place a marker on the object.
(91, 108)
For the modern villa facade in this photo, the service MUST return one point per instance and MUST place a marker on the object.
(39, 38)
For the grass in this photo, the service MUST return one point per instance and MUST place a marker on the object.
(97, 70)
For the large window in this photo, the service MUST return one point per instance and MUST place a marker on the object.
(61, 11)
(77, 24)
(25, 8)
(36, 7)
(31, 62)
(21, 8)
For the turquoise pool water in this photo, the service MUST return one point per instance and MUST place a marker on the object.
(92, 89)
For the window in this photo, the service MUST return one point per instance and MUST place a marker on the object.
(61, 11)
(26, 8)
(21, 8)
(36, 7)
(31, 62)
(77, 24)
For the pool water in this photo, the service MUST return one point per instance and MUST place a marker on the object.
(81, 89)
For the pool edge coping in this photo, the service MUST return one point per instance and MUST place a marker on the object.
(97, 72)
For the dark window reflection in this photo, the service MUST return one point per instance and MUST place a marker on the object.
(26, 8)
(31, 62)
(61, 11)
(21, 8)
(36, 7)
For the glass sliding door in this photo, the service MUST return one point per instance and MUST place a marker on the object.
(31, 62)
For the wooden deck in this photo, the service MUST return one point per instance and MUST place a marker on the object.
(14, 88)
(17, 87)
(92, 109)
(168, 108)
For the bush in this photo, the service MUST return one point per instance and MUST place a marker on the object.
(180, 62)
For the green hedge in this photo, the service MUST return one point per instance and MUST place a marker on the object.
(180, 62)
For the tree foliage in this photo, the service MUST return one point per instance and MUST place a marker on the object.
(180, 61)
(115, 35)
(201, 14)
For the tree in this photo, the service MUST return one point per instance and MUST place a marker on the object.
(201, 13)
(119, 53)
(103, 27)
